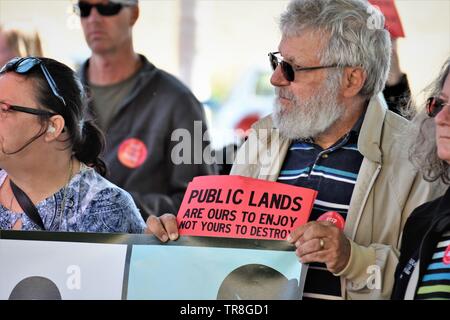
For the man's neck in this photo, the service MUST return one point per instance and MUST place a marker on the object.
(341, 127)
(108, 69)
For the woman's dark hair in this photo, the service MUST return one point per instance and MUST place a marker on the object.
(85, 138)
(423, 153)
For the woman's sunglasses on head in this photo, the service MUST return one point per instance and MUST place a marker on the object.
(435, 105)
(24, 65)
(83, 9)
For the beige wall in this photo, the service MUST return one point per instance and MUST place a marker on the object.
(427, 42)
(231, 35)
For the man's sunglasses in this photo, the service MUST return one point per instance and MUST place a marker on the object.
(83, 9)
(287, 69)
(435, 105)
(24, 65)
(5, 108)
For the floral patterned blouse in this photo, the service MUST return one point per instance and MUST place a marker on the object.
(92, 204)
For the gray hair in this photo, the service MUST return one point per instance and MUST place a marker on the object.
(355, 32)
(423, 153)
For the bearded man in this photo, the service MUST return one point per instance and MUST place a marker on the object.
(331, 131)
(337, 136)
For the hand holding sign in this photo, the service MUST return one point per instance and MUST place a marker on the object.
(322, 241)
(163, 227)
(236, 207)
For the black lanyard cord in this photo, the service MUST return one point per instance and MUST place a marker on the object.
(27, 205)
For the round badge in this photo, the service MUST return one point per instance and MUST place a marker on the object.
(446, 258)
(333, 217)
(132, 153)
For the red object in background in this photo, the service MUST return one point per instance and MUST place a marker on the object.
(246, 123)
(333, 217)
(393, 22)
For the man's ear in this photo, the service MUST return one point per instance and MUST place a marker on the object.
(54, 128)
(134, 14)
(353, 81)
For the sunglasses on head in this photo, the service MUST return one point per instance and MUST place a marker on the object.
(287, 69)
(108, 9)
(24, 65)
(435, 105)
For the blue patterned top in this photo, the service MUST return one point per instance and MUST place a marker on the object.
(93, 204)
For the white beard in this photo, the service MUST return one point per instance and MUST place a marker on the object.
(310, 118)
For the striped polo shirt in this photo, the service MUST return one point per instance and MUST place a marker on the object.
(333, 173)
(435, 284)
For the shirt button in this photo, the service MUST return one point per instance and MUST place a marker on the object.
(324, 156)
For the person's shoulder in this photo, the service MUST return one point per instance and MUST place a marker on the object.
(82, 71)
(98, 188)
(422, 216)
(398, 136)
(426, 209)
(163, 79)
(396, 122)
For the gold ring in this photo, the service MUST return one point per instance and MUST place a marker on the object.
(321, 243)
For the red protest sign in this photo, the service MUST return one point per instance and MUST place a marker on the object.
(393, 22)
(241, 207)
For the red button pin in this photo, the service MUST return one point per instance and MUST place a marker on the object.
(333, 217)
(446, 258)
(132, 153)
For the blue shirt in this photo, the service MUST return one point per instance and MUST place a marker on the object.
(91, 204)
(333, 173)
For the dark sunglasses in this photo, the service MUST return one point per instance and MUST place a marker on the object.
(287, 69)
(83, 9)
(435, 105)
(5, 108)
(24, 65)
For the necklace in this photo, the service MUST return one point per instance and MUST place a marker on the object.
(11, 201)
(12, 196)
(63, 203)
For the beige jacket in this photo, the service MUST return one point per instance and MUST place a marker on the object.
(387, 190)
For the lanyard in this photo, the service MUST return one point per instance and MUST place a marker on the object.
(27, 205)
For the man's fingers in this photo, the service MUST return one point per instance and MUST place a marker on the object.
(319, 229)
(169, 222)
(308, 247)
(318, 256)
(298, 232)
(155, 227)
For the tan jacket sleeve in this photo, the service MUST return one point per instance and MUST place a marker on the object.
(369, 273)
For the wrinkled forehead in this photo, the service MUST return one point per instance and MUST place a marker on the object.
(307, 45)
